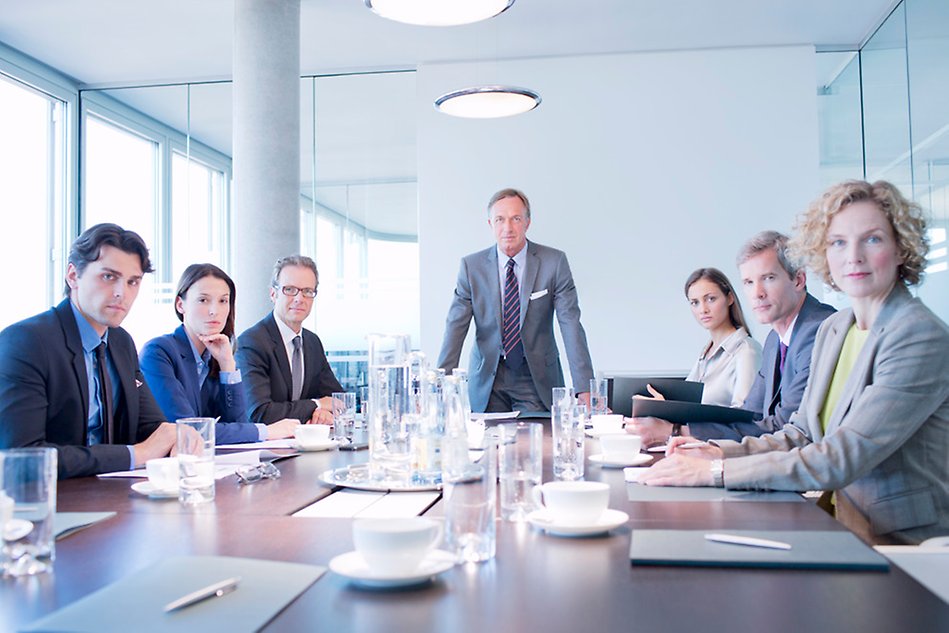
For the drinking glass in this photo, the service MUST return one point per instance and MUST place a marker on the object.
(344, 416)
(470, 506)
(568, 427)
(599, 395)
(390, 442)
(28, 499)
(363, 415)
(195, 460)
(520, 459)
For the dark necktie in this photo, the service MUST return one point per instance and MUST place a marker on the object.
(105, 396)
(511, 320)
(296, 367)
(784, 354)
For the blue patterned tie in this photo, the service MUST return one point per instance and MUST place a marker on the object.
(511, 320)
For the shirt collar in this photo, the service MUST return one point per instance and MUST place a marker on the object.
(199, 359)
(786, 338)
(519, 257)
(734, 340)
(286, 334)
(87, 334)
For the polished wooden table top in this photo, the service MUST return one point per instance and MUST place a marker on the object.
(536, 582)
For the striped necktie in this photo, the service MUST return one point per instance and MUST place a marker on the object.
(511, 320)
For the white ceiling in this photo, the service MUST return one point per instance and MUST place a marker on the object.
(108, 43)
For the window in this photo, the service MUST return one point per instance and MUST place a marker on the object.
(32, 189)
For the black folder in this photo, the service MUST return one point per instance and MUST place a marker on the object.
(690, 412)
(623, 388)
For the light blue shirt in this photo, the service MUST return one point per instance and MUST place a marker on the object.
(203, 364)
(520, 259)
(90, 341)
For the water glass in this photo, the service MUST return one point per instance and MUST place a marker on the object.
(363, 401)
(561, 397)
(599, 396)
(520, 461)
(568, 428)
(27, 508)
(344, 416)
(390, 440)
(195, 460)
(470, 506)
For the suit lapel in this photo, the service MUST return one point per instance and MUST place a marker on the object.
(280, 351)
(190, 373)
(531, 267)
(67, 321)
(494, 284)
(822, 370)
(126, 413)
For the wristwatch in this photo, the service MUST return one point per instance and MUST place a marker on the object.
(717, 466)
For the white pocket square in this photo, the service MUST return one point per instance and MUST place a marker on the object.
(138, 383)
(538, 294)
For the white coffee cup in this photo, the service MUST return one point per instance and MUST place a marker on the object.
(607, 423)
(577, 502)
(619, 446)
(163, 472)
(395, 546)
(310, 434)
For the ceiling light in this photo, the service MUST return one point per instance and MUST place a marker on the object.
(438, 12)
(487, 102)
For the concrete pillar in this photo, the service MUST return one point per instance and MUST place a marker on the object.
(266, 98)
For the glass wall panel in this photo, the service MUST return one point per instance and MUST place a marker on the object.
(927, 28)
(32, 190)
(839, 117)
(885, 105)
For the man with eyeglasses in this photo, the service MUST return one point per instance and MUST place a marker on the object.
(284, 368)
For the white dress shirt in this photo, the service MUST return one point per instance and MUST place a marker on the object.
(728, 371)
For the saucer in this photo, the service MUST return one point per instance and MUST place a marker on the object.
(149, 490)
(596, 434)
(608, 520)
(634, 460)
(322, 445)
(353, 566)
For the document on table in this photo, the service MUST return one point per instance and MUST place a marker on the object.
(360, 504)
(642, 492)
(499, 415)
(224, 464)
(928, 566)
(66, 523)
(810, 549)
(289, 442)
(137, 601)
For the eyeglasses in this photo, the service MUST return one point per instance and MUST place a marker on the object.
(248, 474)
(292, 291)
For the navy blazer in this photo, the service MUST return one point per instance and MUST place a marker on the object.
(773, 407)
(169, 367)
(262, 358)
(44, 393)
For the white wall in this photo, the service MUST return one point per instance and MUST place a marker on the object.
(642, 167)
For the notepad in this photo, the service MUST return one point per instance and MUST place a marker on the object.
(136, 602)
(690, 412)
(820, 549)
(641, 492)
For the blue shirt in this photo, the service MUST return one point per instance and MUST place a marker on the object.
(90, 341)
(202, 363)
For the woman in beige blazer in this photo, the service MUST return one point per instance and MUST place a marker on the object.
(873, 424)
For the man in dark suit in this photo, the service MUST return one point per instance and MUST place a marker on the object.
(284, 368)
(512, 290)
(777, 291)
(69, 377)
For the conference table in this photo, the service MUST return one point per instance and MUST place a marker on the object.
(537, 582)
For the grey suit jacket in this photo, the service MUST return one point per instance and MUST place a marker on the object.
(886, 449)
(547, 288)
(773, 407)
(265, 374)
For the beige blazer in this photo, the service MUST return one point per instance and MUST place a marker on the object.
(886, 449)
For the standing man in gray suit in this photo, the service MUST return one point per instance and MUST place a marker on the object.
(512, 290)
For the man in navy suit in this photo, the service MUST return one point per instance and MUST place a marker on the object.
(284, 368)
(69, 377)
(777, 290)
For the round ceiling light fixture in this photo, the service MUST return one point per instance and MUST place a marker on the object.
(438, 12)
(487, 102)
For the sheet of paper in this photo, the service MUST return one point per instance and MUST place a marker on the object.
(224, 465)
(66, 523)
(343, 504)
(501, 415)
(928, 566)
(285, 443)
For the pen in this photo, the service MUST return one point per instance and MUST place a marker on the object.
(216, 590)
(692, 445)
(733, 539)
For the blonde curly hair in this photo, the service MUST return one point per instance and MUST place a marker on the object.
(809, 244)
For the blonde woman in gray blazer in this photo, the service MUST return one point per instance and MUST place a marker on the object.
(874, 420)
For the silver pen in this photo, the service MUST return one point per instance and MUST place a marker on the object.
(734, 539)
(216, 590)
